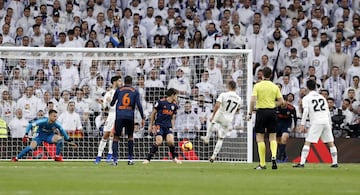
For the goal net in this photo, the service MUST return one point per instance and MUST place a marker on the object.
(82, 75)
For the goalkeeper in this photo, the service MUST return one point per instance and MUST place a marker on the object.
(47, 128)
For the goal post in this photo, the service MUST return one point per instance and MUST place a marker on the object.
(140, 63)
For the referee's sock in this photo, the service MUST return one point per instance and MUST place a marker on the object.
(261, 151)
(273, 148)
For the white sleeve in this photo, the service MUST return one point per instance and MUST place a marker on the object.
(305, 112)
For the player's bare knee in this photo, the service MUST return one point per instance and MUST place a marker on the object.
(33, 145)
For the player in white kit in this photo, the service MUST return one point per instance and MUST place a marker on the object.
(110, 121)
(227, 104)
(316, 107)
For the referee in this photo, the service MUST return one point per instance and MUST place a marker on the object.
(266, 95)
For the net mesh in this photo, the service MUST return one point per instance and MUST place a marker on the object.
(153, 71)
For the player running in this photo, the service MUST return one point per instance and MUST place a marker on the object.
(227, 104)
(109, 123)
(316, 106)
(162, 121)
(47, 128)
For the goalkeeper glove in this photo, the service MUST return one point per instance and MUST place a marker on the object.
(25, 138)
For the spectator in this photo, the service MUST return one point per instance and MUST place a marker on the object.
(16, 84)
(18, 125)
(29, 104)
(336, 85)
(71, 121)
(180, 83)
(206, 88)
(187, 123)
(7, 107)
(69, 75)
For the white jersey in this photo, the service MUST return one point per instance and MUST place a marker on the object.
(316, 106)
(109, 95)
(230, 103)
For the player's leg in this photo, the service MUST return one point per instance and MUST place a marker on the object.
(221, 135)
(327, 137)
(115, 146)
(154, 147)
(278, 140)
(33, 144)
(129, 130)
(282, 146)
(171, 144)
(102, 145)
(209, 131)
(312, 137)
(110, 127)
(59, 141)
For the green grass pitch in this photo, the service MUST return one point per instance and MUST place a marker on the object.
(167, 178)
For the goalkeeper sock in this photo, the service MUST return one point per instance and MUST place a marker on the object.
(209, 131)
(261, 151)
(304, 154)
(153, 150)
(333, 151)
(273, 148)
(111, 139)
(59, 146)
(115, 150)
(101, 147)
(217, 148)
(173, 152)
(131, 149)
(23, 152)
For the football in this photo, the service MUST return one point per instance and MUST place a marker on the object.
(187, 146)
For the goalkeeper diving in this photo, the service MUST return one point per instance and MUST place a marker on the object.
(46, 132)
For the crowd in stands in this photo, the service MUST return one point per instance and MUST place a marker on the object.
(298, 39)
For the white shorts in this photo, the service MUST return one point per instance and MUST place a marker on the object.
(223, 125)
(317, 131)
(109, 124)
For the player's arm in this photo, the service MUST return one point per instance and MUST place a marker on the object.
(115, 97)
(173, 119)
(62, 131)
(140, 108)
(152, 120)
(252, 106)
(304, 115)
(30, 127)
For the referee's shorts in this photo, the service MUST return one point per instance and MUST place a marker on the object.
(266, 120)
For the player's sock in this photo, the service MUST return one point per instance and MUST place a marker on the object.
(111, 139)
(23, 152)
(173, 152)
(115, 148)
(304, 153)
(131, 149)
(333, 151)
(59, 146)
(261, 150)
(153, 150)
(217, 148)
(273, 148)
(209, 130)
(281, 148)
(102, 145)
